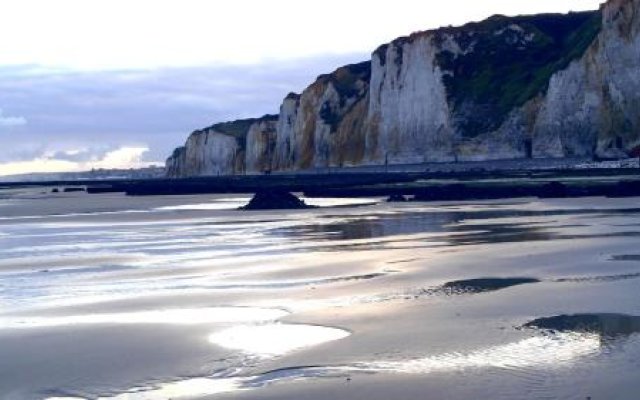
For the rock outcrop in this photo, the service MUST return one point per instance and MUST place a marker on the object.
(542, 86)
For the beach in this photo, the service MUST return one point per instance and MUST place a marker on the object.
(169, 297)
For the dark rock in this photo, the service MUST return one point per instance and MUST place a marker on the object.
(485, 284)
(553, 190)
(396, 198)
(606, 325)
(275, 200)
(626, 189)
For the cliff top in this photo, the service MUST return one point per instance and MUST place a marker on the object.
(493, 66)
(344, 78)
(238, 128)
(554, 25)
(504, 62)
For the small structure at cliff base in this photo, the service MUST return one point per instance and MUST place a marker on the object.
(273, 199)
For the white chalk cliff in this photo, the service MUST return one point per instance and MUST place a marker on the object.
(509, 87)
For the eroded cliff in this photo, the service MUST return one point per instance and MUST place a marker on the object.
(325, 125)
(505, 88)
(227, 148)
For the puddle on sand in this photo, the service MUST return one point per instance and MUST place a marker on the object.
(235, 202)
(186, 389)
(538, 351)
(221, 204)
(180, 316)
(275, 339)
(269, 340)
(546, 351)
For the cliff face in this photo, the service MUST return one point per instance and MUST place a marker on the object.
(260, 145)
(508, 87)
(409, 118)
(224, 149)
(283, 158)
(325, 125)
(470, 93)
(592, 107)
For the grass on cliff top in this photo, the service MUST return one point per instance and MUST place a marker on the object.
(346, 82)
(502, 72)
(345, 79)
(239, 128)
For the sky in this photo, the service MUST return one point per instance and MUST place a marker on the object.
(120, 83)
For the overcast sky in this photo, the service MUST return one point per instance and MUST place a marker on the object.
(119, 83)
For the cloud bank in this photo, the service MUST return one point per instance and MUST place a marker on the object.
(78, 117)
(122, 158)
(117, 34)
(6, 121)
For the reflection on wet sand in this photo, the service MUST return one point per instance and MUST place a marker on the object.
(535, 352)
(539, 351)
(454, 227)
(275, 339)
(263, 292)
(180, 316)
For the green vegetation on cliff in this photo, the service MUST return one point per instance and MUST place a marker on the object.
(238, 128)
(351, 82)
(506, 61)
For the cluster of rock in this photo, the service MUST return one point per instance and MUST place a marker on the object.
(543, 86)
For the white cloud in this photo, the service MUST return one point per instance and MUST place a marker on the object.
(80, 34)
(6, 121)
(35, 166)
(124, 157)
(96, 112)
(121, 158)
(53, 68)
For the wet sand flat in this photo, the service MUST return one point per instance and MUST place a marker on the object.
(114, 297)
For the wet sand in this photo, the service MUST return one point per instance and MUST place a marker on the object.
(113, 297)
